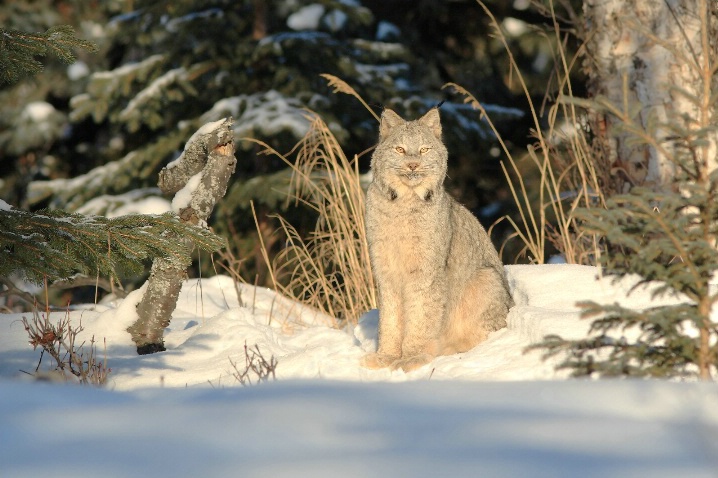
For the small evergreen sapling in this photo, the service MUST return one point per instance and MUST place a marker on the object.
(668, 239)
(667, 236)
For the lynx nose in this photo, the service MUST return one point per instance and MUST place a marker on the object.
(413, 165)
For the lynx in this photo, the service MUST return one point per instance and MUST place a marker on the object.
(441, 285)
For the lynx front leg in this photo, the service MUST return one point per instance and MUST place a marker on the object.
(425, 315)
(391, 329)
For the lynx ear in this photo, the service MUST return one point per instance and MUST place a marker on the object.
(432, 120)
(389, 120)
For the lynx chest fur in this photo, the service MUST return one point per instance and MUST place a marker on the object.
(404, 232)
(441, 285)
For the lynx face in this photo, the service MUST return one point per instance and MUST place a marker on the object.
(410, 152)
(414, 162)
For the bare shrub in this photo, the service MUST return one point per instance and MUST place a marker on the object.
(72, 362)
(255, 366)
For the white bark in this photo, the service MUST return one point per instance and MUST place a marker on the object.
(651, 55)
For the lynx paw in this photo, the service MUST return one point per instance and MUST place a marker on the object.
(377, 360)
(412, 363)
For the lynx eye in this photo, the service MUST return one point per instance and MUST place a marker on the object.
(400, 150)
(424, 150)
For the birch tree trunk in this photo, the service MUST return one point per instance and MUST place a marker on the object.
(655, 62)
(198, 178)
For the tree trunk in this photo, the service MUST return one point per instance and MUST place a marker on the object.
(199, 177)
(650, 57)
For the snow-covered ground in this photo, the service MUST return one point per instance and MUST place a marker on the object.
(494, 411)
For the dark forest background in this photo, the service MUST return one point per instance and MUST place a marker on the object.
(105, 125)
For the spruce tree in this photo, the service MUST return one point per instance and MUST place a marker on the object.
(668, 239)
(34, 122)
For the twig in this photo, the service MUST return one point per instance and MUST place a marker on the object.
(255, 363)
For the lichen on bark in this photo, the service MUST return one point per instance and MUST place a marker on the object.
(210, 153)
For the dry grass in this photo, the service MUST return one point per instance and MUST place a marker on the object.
(330, 270)
(561, 158)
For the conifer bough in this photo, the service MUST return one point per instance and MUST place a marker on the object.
(18, 50)
(59, 245)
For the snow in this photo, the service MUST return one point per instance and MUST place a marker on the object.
(494, 408)
(261, 114)
(387, 31)
(335, 20)
(323, 429)
(183, 197)
(128, 69)
(4, 206)
(77, 70)
(514, 27)
(38, 111)
(373, 74)
(385, 50)
(91, 180)
(137, 201)
(153, 90)
(306, 18)
(206, 128)
(38, 125)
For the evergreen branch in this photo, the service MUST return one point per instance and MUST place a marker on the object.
(18, 49)
(668, 229)
(61, 40)
(59, 244)
(84, 281)
(117, 176)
